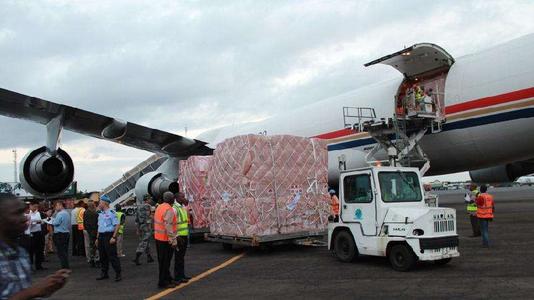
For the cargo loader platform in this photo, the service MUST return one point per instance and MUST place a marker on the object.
(300, 238)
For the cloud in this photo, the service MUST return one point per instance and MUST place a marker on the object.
(170, 64)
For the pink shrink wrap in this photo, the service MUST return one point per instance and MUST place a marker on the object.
(192, 180)
(268, 185)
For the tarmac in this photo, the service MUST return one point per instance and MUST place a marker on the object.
(506, 270)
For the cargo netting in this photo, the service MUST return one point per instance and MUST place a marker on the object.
(192, 180)
(267, 185)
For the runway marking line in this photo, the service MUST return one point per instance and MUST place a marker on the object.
(197, 278)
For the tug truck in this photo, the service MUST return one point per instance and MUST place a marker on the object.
(383, 213)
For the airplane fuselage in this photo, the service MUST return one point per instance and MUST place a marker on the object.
(489, 107)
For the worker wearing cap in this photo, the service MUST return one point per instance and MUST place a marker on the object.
(182, 216)
(471, 207)
(108, 228)
(334, 203)
(143, 220)
(165, 236)
(485, 210)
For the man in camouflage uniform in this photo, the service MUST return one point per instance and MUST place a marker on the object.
(143, 219)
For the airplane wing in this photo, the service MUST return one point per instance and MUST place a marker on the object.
(21, 106)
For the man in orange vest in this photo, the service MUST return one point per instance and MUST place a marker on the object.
(165, 236)
(334, 203)
(485, 210)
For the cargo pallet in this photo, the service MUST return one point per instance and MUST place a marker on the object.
(197, 234)
(308, 238)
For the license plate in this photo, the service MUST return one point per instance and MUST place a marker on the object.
(444, 251)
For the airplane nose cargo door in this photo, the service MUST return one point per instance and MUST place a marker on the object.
(425, 67)
(419, 105)
(417, 60)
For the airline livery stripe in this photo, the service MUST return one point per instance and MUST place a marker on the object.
(502, 117)
(351, 144)
(343, 134)
(489, 110)
(473, 122)
(335, 134)
(489, 101)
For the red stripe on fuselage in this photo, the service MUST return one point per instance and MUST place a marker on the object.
(489, 101)
(455, 108)
(335, 134)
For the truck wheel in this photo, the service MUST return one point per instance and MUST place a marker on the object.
(344, 247)
(129, 212)
(441, 262)
(401, 258)
(227, 246)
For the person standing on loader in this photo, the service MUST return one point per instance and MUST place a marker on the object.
(143, 220)
(471, 207)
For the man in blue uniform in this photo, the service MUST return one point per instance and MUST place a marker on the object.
(108, 228)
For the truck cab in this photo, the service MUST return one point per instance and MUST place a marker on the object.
(383, 213)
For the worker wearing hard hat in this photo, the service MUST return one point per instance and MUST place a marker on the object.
(471, 207)
(334, 203)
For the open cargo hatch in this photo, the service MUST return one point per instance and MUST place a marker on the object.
(419, 106)
(417, 59)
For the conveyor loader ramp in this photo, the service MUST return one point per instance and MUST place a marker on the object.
(399, 138)
(419, 106)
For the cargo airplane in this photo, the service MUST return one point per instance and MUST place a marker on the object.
(485, 104)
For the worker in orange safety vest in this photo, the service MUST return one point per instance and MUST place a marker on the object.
(485, 210)
(165, 235)
(334, 203)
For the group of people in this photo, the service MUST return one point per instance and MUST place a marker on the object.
(96, 232)
(417, 99)
(171, 233)
(84, 229)
(480, 208)
(26, 235)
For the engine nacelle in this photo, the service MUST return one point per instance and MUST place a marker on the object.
(154, 184)
(43, 174)
(503, 173)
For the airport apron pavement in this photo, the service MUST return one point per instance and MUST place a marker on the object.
(506, 270)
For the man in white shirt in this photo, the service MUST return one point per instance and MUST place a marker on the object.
(25, 239)
(36, 237)
(74, 232)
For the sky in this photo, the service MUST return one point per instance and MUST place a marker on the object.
(204, 64)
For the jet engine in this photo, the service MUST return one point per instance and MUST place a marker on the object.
(155, 184)
(45, 174)
(503, 173)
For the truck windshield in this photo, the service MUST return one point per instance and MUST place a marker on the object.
(399, 186)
